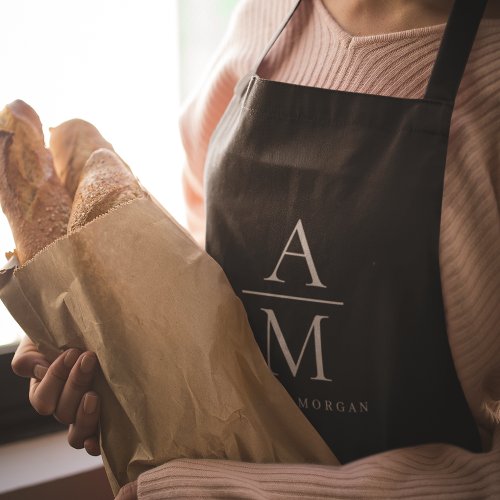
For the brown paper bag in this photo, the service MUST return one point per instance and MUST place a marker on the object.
(182, 375)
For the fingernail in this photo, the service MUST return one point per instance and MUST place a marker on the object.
(90, 404)
(39, 371)
(71, 357)
(88, 363)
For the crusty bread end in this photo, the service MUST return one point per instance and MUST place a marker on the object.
(33, 199)
(105, 183)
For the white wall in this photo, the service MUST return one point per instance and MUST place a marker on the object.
(111, 62)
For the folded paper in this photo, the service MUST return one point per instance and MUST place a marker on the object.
(181, 374)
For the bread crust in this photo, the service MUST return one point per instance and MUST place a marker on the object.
(37, 204)
(33, 199)
(105, 183)
(71, 144)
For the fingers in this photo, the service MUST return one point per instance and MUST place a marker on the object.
(82, 434)
(128, 492)
(92, 446)
(27, 361)
(44, 394)
(61, 388)
(78, 383)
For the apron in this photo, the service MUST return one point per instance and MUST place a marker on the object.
(324, 210)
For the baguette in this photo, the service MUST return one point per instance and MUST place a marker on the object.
(105, 183)
(71, 144)
(32, 197)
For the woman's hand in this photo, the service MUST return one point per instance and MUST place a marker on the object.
(62, 388)
(128, 492)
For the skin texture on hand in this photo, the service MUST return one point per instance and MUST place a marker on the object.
(128, 492)
(63, 388)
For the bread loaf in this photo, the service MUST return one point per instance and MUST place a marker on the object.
(105, 183)
(71, 145)
(35, 202)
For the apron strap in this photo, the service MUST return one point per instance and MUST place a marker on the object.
(242, 84)
(452, 57)
(454, 50)
(276, 36)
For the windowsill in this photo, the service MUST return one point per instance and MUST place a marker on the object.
(8, 348)
(40, 460)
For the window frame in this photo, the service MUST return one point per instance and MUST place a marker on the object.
(18, 419)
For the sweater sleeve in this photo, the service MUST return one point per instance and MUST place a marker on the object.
(428, 471)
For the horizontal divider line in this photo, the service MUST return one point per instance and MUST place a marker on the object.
(291, 297)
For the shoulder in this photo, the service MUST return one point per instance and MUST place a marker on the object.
(481, 81)
(267, 13)
(252, 25)
(475, 127)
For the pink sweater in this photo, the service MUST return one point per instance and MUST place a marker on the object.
(315, 51)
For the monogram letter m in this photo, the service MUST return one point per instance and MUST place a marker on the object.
(314, 333)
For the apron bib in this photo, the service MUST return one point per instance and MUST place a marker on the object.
(324, 209)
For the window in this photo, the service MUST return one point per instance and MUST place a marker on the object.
(123, 65)
(113, 63)
(116, 64)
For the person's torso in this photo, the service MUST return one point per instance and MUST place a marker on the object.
(338, 196)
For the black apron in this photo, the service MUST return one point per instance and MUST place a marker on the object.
(324, 209)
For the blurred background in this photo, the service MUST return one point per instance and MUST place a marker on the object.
(124, 65)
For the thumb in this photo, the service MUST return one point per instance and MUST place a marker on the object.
(128, 492)
(26, 358)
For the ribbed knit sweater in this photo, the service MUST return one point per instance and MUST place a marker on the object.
(315, 51)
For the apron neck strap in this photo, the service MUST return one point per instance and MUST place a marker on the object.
(275, 37)
(454, 50)
(453, 53)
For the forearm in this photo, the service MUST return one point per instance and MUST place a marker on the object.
(431, 471)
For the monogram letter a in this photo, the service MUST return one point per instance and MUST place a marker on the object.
(306, 254)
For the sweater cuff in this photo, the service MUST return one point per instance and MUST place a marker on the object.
(431, 471)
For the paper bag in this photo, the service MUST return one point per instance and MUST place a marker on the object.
(182, 375)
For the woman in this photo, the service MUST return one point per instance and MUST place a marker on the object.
(324, 209)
